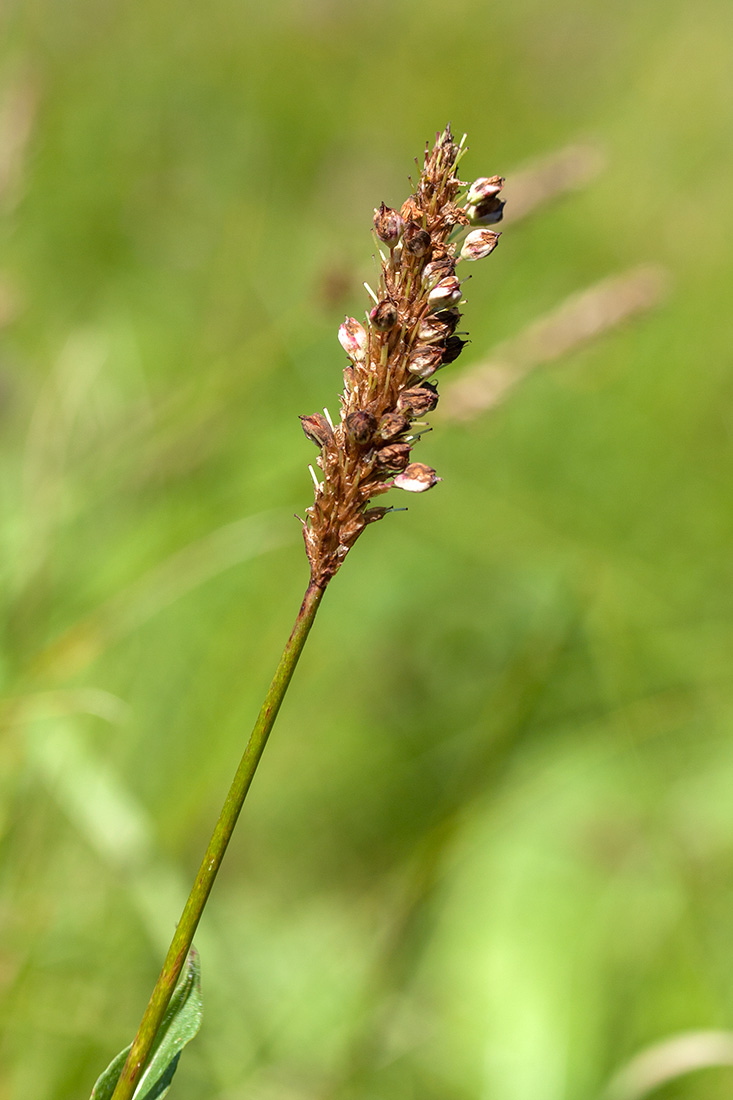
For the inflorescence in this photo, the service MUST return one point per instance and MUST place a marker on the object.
(410, 333)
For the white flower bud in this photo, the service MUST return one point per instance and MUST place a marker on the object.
(487, 212)
(416, 478)
(437, 270)
(445, 293)
(479, 243)
(425, 360)
(484, 188)
(353, 339)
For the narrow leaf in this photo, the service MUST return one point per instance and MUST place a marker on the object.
(163, 1083)
(180, 1023)
(107, 1081)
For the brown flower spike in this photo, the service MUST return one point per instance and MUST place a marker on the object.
(408, 336)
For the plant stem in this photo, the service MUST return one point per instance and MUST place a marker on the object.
(178, 950)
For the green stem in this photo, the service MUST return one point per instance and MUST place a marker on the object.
(211, 862)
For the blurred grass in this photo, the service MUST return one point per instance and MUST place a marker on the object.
(490, 850)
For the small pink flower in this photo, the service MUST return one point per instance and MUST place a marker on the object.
(484, 188)
(480, 243)
(424, 361)
(416, 478)
(353, 339)
(445, 293)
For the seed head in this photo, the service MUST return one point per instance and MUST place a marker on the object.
(410, 334)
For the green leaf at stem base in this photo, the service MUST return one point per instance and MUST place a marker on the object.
(181, 1022)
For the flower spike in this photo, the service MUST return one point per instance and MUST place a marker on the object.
(410, 334)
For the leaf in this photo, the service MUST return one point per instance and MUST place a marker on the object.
(106, 1082)
(181, 1022)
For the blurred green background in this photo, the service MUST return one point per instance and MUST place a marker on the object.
(490, 850)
